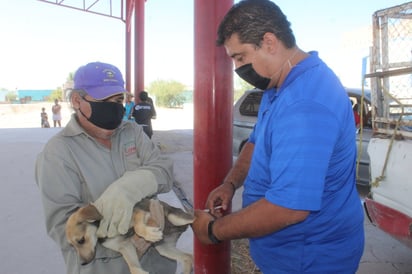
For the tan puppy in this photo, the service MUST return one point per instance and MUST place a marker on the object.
(154, 223)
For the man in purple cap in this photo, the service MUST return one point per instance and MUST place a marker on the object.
(98, 159)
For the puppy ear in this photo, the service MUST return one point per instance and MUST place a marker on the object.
(179, 217)
(157, 213)
(90, 213)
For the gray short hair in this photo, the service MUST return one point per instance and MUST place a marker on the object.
(71, 92)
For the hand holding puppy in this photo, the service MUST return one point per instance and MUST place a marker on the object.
(117, 201)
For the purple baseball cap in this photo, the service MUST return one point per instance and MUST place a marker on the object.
(99, 80)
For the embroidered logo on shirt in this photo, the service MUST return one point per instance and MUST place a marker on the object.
(130, 149)
(139, 107)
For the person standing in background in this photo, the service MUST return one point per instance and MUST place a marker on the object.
(150, 100)
(143, 113)
(44, 122)
(128, 107)
(56, 110)
(356, 115)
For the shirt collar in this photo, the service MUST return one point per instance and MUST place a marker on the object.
(73, 128)
(304, 65)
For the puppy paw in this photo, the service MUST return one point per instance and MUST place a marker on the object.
(145, 227)
(152, 234)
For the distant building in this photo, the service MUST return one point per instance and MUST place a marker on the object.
(3, 94)
(36, 95)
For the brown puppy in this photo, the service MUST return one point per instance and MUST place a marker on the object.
(154, 223)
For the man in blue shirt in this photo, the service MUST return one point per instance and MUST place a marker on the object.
(301, 210)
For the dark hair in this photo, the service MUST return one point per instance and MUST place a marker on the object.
(143, 95)
(251, 19)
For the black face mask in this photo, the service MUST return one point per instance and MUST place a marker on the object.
(247, 73)
(107, 115)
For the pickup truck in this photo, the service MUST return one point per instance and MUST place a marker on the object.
(246, 109)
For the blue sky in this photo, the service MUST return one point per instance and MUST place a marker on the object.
(42, 43)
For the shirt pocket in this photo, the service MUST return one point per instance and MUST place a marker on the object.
(131, 157)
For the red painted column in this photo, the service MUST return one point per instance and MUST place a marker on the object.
(213, 102)
(128, 42)
(139, 47)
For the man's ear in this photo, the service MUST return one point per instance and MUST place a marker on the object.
(75, 100)
(270, 42)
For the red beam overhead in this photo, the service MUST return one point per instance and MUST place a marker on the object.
(100, 7)
(131, 12)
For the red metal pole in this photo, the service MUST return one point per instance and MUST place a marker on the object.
(213, 101)
(139, 47)
(128, 31)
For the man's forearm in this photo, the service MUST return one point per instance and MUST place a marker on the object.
(238, 173)
(258, 219)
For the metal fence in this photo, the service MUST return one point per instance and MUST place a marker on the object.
(391, 71)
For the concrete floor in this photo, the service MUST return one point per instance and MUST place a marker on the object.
(27, 249)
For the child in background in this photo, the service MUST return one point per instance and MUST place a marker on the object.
(44, 118)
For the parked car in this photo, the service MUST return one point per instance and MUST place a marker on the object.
(247, 106)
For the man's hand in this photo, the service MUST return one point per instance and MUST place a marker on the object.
(200, 226)
(118, 200)
(220, 198)
(223, 194)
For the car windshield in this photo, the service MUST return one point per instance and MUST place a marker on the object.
(250, 106)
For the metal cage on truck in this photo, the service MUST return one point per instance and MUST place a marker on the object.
(389, 204)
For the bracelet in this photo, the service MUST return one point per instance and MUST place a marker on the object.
(210, 234)
(233, 186)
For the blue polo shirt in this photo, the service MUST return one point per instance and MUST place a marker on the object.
(305, 159)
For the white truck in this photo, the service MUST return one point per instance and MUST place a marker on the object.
(389, 203)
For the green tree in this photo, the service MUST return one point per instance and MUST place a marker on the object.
(11, 96)
(56, 94)
(168, 93)
(70, 77)
(240, 87)
(67, 86)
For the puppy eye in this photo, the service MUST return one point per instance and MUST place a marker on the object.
(81, 241)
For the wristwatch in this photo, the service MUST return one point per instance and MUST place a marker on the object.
(210, 234)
